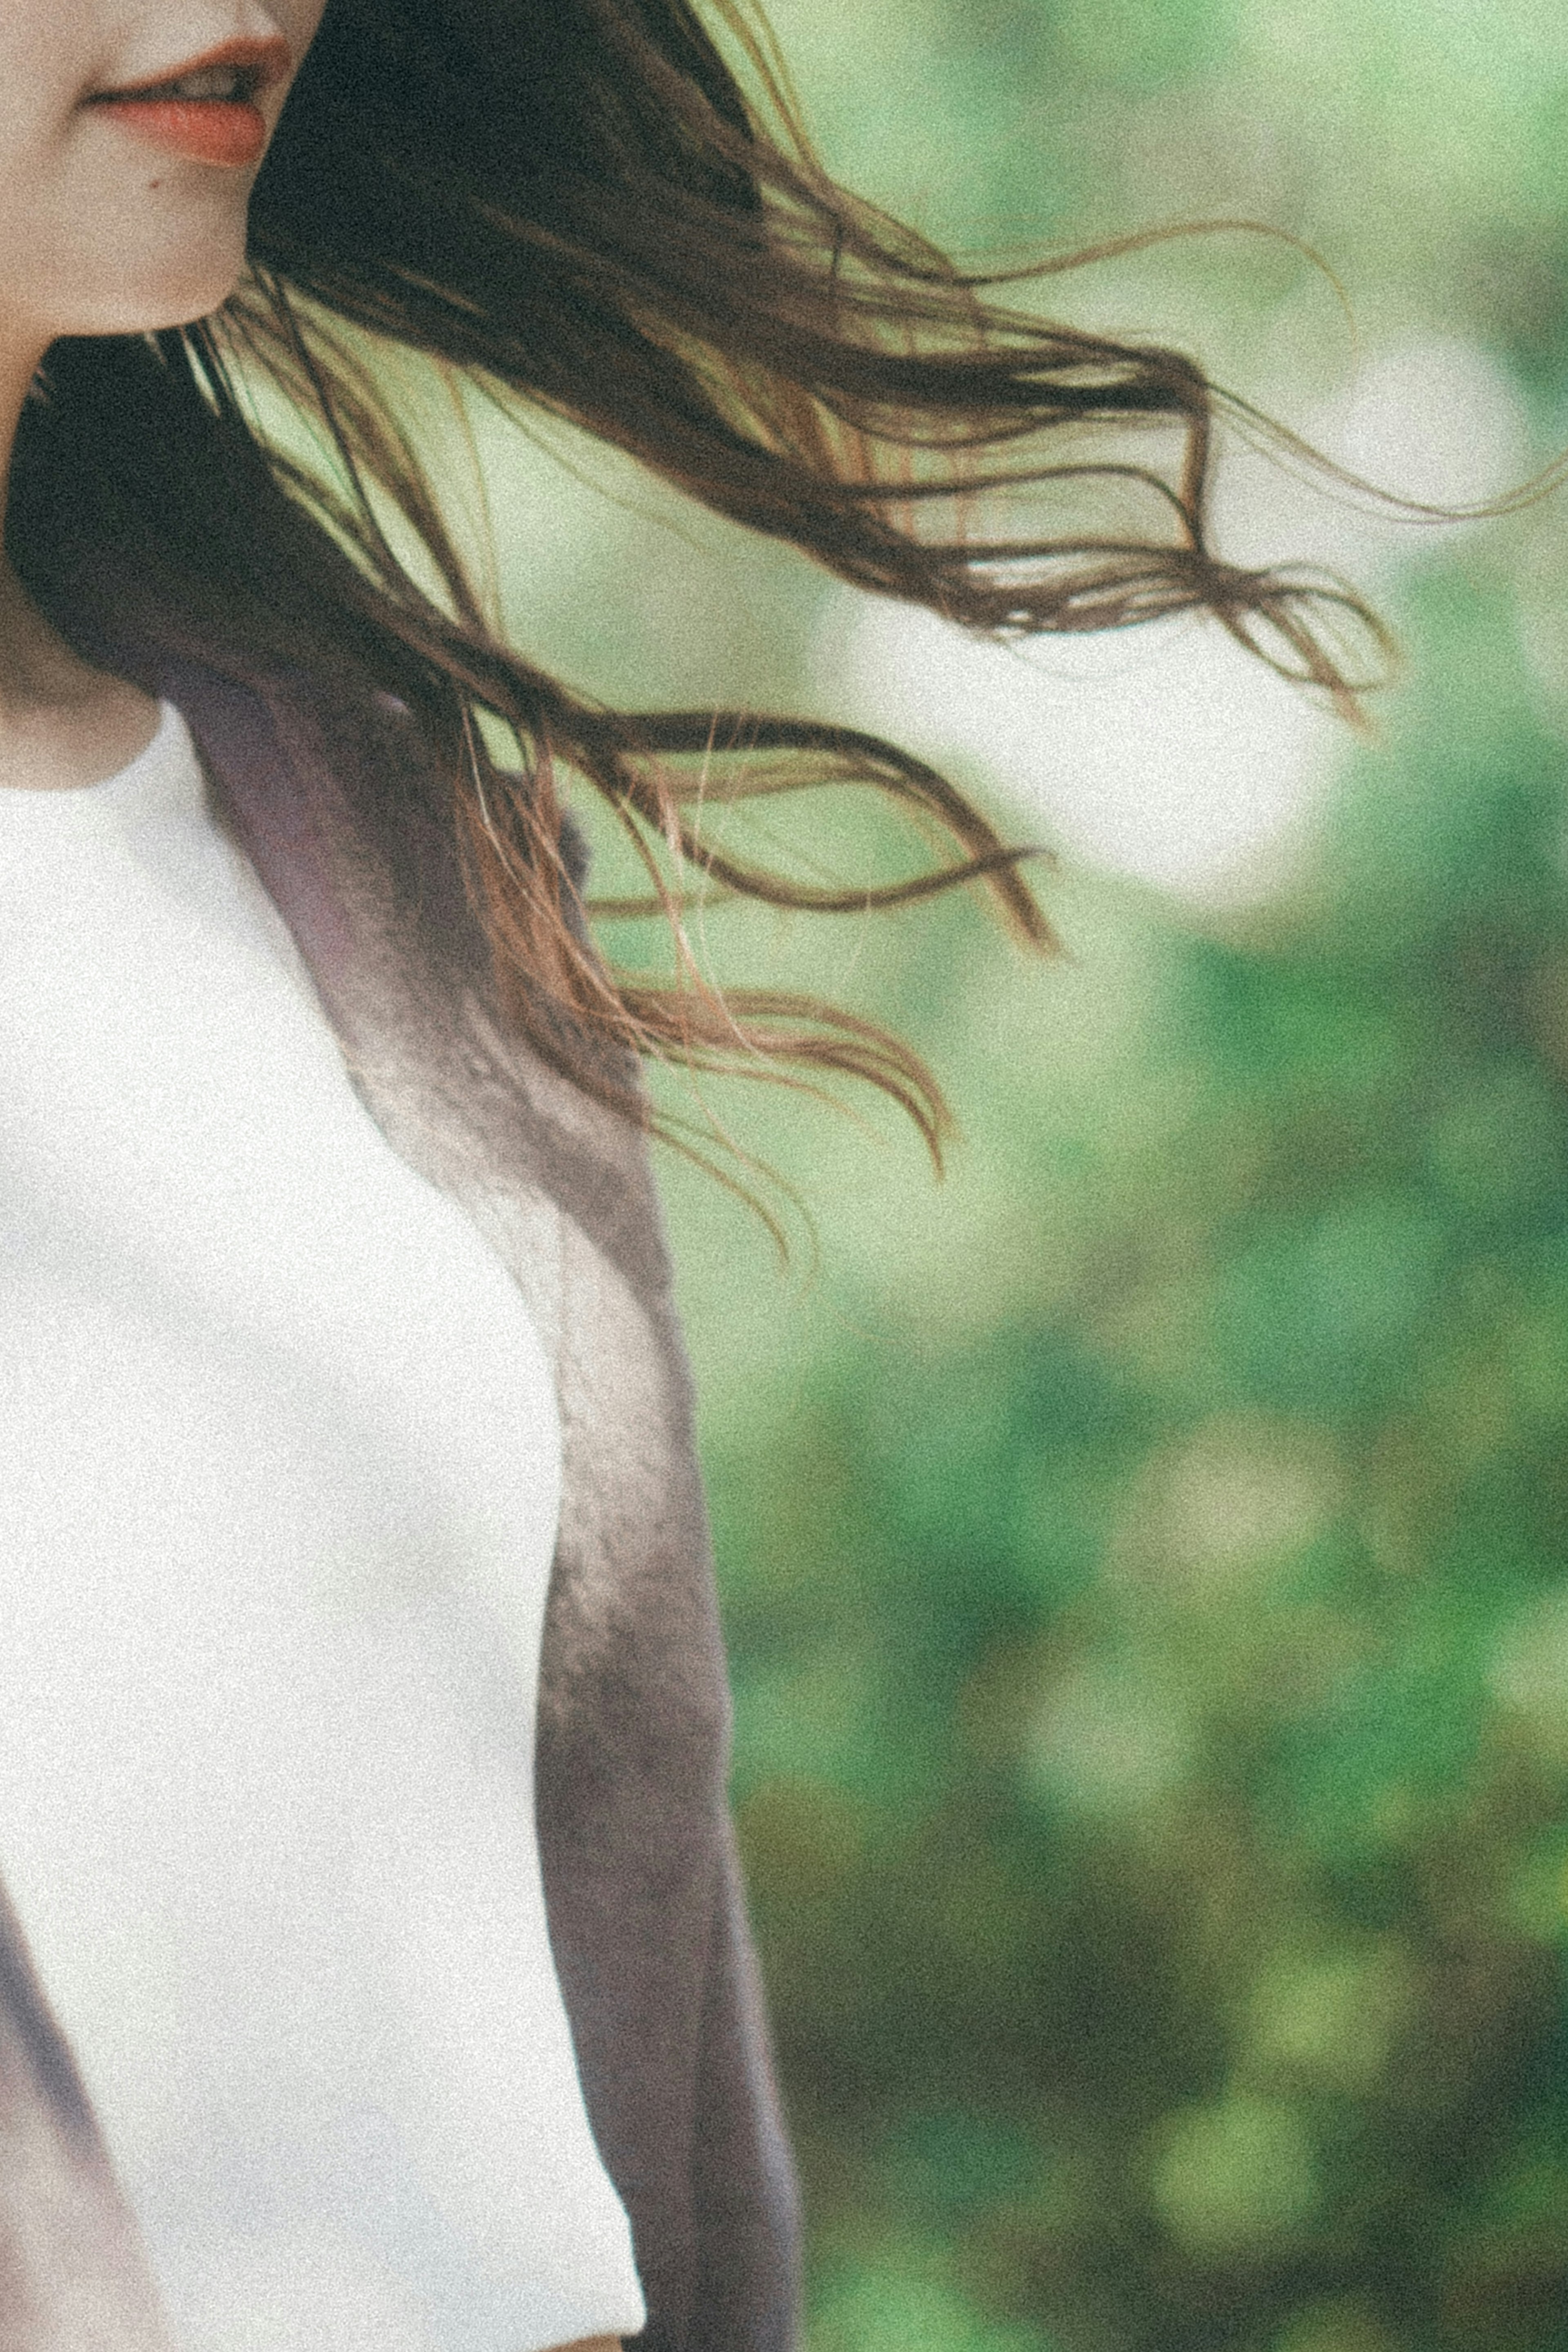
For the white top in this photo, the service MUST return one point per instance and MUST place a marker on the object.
(281, 1478)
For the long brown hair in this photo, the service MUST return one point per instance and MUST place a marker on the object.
(577, 202)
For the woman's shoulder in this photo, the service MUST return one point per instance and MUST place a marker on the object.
(337, 798)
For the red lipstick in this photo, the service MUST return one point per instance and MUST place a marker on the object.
(204, 108)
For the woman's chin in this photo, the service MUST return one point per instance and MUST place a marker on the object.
(143, 300)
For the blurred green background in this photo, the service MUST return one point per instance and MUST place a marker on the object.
(1143, 1554)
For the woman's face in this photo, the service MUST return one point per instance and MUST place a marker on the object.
(122, 199)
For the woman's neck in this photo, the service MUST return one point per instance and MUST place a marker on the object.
(62, 722)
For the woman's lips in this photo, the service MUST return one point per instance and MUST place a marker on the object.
(226, 131)
(204, 108)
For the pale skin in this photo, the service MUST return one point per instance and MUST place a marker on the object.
(103, 233)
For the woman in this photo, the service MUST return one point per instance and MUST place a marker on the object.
(373, 1969)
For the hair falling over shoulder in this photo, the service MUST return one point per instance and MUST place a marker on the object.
(606, 210)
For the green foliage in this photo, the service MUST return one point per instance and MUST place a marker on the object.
(1144, 1558)
(1152, 1698)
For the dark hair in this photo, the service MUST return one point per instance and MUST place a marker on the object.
(572, 200)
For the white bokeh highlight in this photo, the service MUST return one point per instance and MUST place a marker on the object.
(1169, 755)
